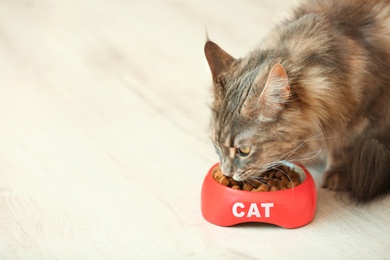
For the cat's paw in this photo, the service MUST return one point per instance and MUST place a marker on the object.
(335, 180)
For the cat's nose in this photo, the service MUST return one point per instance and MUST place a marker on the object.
(237, 177)
(227, 170)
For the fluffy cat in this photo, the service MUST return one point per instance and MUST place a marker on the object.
(320, 81)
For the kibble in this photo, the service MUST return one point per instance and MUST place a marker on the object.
(281, 178)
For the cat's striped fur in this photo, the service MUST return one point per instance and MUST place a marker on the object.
(320, 81)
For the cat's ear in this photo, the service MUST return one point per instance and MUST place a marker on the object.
(218, 59)
(275, 94)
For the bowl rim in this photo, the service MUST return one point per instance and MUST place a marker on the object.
(297, 167)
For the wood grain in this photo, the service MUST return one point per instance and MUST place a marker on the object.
(104, 143)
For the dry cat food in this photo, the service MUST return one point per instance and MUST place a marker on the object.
(281, 178)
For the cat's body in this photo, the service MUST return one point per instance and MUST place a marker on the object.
(320, 81)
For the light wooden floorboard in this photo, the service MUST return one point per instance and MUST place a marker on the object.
(104, 143)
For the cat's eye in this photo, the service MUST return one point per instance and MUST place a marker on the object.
(244, 150)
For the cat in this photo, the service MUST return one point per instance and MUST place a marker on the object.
(320, 81)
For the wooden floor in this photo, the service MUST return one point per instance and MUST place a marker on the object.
(104, 143)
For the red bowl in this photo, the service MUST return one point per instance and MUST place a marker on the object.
(291, 208)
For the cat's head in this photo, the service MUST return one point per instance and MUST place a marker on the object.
(258, 119)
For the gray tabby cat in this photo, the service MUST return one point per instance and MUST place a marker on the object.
(320, 81)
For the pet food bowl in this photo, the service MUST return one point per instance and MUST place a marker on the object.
(290, 208)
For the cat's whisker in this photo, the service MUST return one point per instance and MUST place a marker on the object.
(262, 181)
(302, 157)
(319, 137)
(285, 173)
(251, 183)
(311, 154)
(288, 177)
(285, 156)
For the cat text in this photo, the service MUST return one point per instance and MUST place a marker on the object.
(240, 210)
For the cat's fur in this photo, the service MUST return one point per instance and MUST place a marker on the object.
(320, 81)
